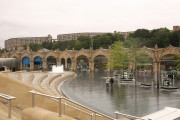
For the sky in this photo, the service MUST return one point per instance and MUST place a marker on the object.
(37, 18)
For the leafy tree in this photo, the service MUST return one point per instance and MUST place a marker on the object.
(118, 56)
(77, 45)
(133, 46)
(56, 45)
(175, 38)
(47, 45)
(35, 47)
(141, 33)
(85, 42)
(161, 37)
(177, 61)
(143, 60)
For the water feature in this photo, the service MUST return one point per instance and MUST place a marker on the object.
(90, 89)
(57, 69)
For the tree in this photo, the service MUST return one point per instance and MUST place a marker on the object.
(47, 45)
(77, 45)
(141, 33)
(35, 46)
(161, 37)
(118, 58)
(84, 42)
(175, 38)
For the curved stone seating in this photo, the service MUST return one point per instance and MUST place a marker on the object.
(13, 75)
(38, 79)
(45, 84)
(54, 85)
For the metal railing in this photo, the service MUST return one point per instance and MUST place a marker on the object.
(131, 117)
(8, 98)
(93, 114)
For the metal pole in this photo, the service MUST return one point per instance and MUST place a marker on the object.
(59, 107)
(33, 100)
(91, 43)
(9, 108)
(64, 108)
(92, 116)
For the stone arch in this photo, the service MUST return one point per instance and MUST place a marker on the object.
(50, 61)
(38, 62)
(100, 62)
(82, 63)
(103, 52)
(51, 54)
(82, 59)
(82, 52)
(170, 50)
(37, 54)
(25, 63)
(66, 54)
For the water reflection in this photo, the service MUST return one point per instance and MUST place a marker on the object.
(90, 89)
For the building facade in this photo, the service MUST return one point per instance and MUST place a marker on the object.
(17, 43)
(74, 36)
(176, 28)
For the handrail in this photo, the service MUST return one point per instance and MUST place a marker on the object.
(9, 98)
(88, 108)
(59, 106)
(128, 116)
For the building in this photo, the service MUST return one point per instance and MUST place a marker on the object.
(18, 43)
(176, 28)
(74, 36)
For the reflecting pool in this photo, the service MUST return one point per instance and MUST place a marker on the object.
(90, 90)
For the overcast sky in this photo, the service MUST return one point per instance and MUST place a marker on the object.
(31, 18)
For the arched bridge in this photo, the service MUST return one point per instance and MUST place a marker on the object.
(80, 59)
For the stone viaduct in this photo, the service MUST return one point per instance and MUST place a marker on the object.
(70, 57)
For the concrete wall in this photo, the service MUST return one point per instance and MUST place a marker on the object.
(21, 90)
(42, 114)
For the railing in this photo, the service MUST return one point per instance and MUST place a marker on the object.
(131, 117)
(9, 98)
(93, 115)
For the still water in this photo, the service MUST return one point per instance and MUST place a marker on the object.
(90, 90)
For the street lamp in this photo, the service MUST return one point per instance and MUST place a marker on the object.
(91, 42)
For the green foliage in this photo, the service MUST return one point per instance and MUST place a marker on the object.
(161, 37)
(142, 33)
(177, 61)
(47, 45)
(118, 56)
(141, 37)
(77, 45)
(35, 47)
(178, 76)
(143, 58)
(84, 42)
(175, 38)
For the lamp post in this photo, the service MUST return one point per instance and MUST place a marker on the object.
(91, 43)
